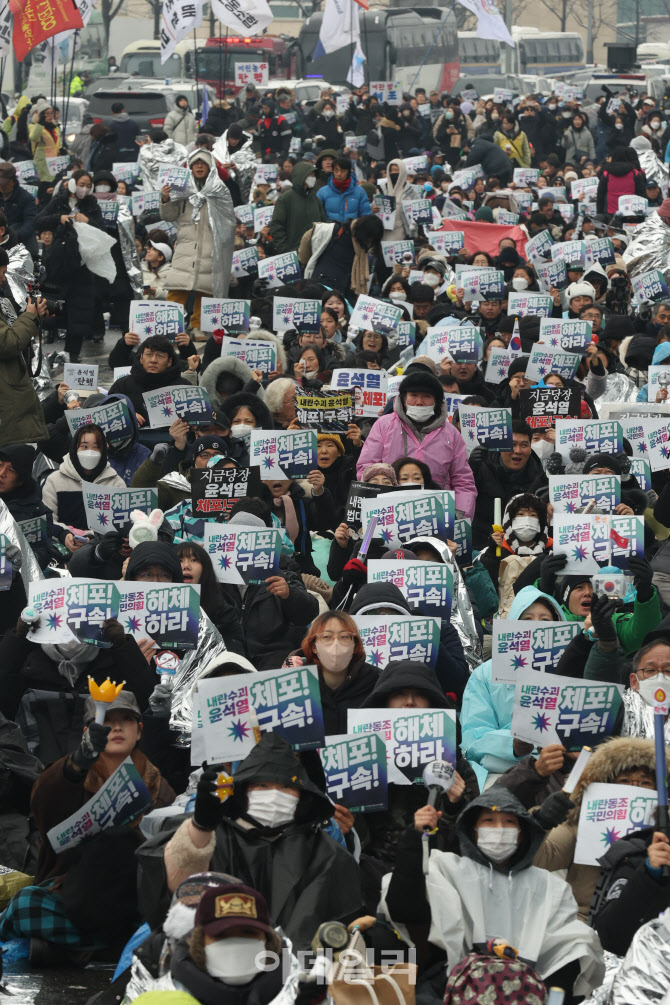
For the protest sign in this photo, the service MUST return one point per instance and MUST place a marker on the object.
(539, 246)
(413, 738)
(174, 175)
(552, 274)
(592, 435)
(658, 378)
(263, 217)
(120, 800)
(231, 315)
(245, 215)
(632, 205)
(570, 251)
(129, 171)
(416, 164)
(528, 645)
(406, 334)
(187, 402)
(6, 569)
(328, 411)
(570, 336)
(156, 317)
(286, 701)
(81, 376)
(242, 555)
(214, 491)
(584, 540)
(588, 187)
(542, 361)
(266, 174)
(526, 177)
(571, 493)
(392, 637)
(640, 470)
(303, 315)
(497, 365)
(25, 170)
(57, 164)
(601, 249)
(486, 427)
(541, 406)
(448, 242)
(374, 315)
(280, 269)
(114, 420)
(463, 542)
(503, 96)
(529, 304)
(370, 389)
(109, 209)
(507, 219)
(258, 355)
(48, 598)
(142, 202)
(466, 177)
(551, 709)
(626, 540)
(257, 74)
(657, 438)
(356, 773)
(34, 531)
(289, 454)
(650, 286)
(91, 602)
(461, 343)
(110, 509)
(609, 812)
(168, 614)
(418, 211)
(389, 91)
(556, 192)
(402, 516)
(426, 586)
(245, 262)
(487, 284)
(395, 251)
(358, 491)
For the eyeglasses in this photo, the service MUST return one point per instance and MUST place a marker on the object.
(648, 672)
(159, 356)
(327, 637)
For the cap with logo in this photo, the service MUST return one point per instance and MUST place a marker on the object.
(225, 907)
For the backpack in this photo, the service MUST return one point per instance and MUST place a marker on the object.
(489, 980)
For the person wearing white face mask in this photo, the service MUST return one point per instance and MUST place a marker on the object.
(419, 426)
(483, 892)
(245, 412)
(268, 834)
(85, 462)
(525, 535)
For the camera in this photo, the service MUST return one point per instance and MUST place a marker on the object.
(617, 296)
(408, 258)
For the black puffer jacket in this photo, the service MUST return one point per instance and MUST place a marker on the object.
(138, 382)
(495, 481)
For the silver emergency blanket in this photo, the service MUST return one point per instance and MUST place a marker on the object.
(638, 717)
(650, 248)
(126, 227)
(242, 157)
(643, 978)
(654, 169)
(42, 381)
(152, 155)
(20, 274)
(222, 221)
(30, 570)
(619, 388)
(210, 644)
(462, 617)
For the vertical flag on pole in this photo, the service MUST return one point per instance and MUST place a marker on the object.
(178, 18)
(339, 27)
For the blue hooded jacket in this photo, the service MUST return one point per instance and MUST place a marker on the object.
(486, 713)
(127, 458)
(347, 205)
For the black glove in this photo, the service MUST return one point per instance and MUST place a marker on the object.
(208, 806)
(159, 453)
(478, 455)
(554, 810)
(93, 742)
(602, 610)
(260, 287)
(551, 566)
(109, 546)
(555, 464)
(643, 573)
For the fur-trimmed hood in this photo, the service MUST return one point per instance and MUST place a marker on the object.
(610, 759)
(263, 335)
(226, 364)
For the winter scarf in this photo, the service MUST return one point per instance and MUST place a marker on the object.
(535, 547)
(71, 658)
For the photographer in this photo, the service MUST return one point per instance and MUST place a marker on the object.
(617, 298)
(21, 418)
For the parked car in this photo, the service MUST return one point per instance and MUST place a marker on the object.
(147, 103)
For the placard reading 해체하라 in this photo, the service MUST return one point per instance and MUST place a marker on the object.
(156, 317)
(231, 315)
(356, 772)
(413, 738)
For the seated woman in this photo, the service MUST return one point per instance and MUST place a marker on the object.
(408, 471)
(486, 714)
(484, 894)
(525, 535)
(63, 910)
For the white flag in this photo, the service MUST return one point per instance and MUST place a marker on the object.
(178, 18)
(356, 75)
(249, 17)
(339, 26)
(490, 23)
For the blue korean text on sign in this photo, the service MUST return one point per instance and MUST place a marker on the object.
(356, 773)
(114, 420)
(651, 286)
(426, 586)
(289, 702)
(390, 638)
(626, 540)
(571, 493)
(89, 605)
(420, 738)
(463, 541)
(34, 531)
(192, 405)
(406, 334)
(525, 645)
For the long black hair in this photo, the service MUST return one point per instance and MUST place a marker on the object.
(210, 598)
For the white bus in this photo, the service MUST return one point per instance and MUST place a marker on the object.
(545, 53)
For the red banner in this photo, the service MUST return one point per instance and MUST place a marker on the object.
(37, 20)
(480, 236)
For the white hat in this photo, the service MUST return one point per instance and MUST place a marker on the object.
(165, 249)
(580, 290)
